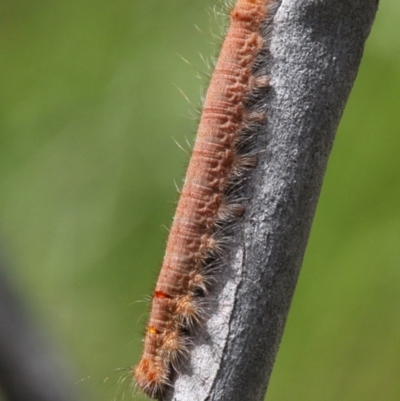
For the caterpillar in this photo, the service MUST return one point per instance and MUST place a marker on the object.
(209, 200)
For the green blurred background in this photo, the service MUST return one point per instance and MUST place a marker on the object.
(89, 110)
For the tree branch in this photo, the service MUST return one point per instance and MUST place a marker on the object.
(29, 371)
(316, 48)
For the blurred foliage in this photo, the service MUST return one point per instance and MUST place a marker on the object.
(88, 110)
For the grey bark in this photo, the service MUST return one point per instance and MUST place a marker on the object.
(316, 48)
(29, 370)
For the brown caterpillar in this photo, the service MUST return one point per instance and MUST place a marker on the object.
(207, 202)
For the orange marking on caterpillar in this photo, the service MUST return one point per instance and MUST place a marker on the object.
(152, 330)
(203, 203)
(161, 294)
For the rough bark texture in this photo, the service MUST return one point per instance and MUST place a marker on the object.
(29, 371)
(316, 50)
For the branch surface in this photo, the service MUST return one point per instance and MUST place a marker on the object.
(316, 49)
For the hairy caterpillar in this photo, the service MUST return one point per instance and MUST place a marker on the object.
(209, 201)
